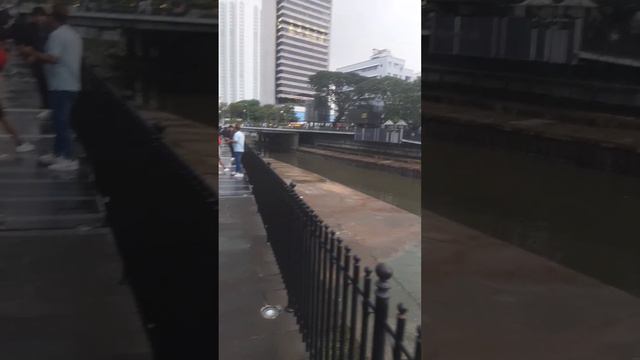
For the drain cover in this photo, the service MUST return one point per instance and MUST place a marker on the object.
(270, 312)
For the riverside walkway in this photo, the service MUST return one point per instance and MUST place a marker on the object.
(61, 294)
(248, 279)
(503, 302)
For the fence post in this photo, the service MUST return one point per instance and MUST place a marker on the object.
(336, 300)
(345, 303)
(399, 335)
(418, 352)
(381, 311)
(354, 308)
(365, 314)
(322, 246)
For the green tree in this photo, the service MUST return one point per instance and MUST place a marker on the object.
(338, 87)
(401, 98)
(244, 109)
(287, 114)
(267, 113)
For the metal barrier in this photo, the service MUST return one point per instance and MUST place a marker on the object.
(163, 218)
(328, 291)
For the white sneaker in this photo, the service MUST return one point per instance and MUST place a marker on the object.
(25, 147)
(48, 159)
(239, 175)
(63, 164)
(44, 115)
(226, 170)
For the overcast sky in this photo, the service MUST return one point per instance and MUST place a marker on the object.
(358, 26)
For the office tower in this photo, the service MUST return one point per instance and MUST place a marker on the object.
(268, 53)
(302, 47)
(239, 50)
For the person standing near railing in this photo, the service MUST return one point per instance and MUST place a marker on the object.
(21, 146)
(62, 61)
(238, 150)
(35, 36)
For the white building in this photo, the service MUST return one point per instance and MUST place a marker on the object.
(239, 50)
(268, 53)
(381, 64)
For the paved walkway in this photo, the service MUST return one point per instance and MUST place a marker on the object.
(249, 279)
(485, 299)
(60, 291)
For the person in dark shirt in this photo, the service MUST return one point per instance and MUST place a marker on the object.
(35, 36)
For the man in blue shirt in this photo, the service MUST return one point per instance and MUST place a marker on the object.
(238, 150)
(62, 60)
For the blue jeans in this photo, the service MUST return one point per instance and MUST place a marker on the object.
(238, 156)
(61, 103)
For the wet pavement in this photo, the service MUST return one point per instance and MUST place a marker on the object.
(60, 290)
(376, 231)
(486, 299)
(249, 279)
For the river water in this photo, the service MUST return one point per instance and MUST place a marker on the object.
(584, 219)
(401, 191)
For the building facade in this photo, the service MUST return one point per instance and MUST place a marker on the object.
(268, 53)
(239, 59)
(302, 47)
(381, 64)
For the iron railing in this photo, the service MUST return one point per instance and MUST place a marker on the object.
(329, 292)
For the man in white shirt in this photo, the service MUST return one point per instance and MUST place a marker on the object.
(62, 65)
(238, 150)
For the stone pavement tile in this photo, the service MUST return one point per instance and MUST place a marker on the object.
(246, 283)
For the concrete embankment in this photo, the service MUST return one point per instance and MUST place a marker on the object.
(406, 167)
(604, 148)
(485, 299)
(195, 143)
(375, 230)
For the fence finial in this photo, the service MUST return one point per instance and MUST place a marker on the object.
(384, 272)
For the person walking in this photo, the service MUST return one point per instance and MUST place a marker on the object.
(21, 146)
(221, 168)
(62, 61)
(238, 151)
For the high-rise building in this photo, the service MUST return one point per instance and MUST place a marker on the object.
(381, 64)
(268, 53)
(239, 50)
(302, 47)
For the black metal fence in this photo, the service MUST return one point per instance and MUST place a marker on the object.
(163, 218)
(329, 292)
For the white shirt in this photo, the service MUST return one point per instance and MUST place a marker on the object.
(238, 145)
(65, 44)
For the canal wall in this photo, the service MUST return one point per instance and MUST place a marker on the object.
(346, 142)
(602, 148)
(494, 79)
(502, 302)
(411, 168)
